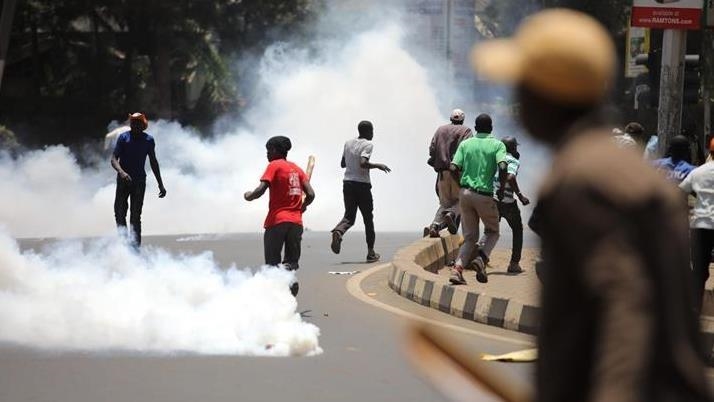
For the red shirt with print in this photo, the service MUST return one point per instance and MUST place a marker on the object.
(285, 180)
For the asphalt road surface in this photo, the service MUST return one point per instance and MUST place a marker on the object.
(363, 357)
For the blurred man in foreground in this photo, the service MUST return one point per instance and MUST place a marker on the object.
(617, 322)
(129, 157)
(441, 151)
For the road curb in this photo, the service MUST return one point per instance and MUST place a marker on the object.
(413, 277)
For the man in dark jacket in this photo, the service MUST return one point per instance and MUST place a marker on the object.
(616, 318)
(441, 151)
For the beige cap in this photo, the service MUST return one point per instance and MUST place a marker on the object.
(561, 54)
(457, 115)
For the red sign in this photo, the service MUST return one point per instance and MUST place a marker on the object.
(667, 14)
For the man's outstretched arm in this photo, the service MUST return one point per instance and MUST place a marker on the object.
(258, 192)
(366, 164)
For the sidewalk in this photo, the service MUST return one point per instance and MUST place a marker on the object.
(523, 288)
(508, 301)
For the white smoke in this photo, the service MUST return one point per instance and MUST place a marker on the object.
(317, 105)
(315, 99)
(99, 295)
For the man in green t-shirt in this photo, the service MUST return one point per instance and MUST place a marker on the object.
(478, 159)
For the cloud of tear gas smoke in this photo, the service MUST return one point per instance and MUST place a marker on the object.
(100, 296)
(316, 100)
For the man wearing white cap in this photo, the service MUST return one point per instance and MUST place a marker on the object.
(441, 151)
(616, 316)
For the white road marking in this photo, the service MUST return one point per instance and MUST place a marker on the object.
(354, 288)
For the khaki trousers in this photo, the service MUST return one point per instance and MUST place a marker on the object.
(448, 189)
(474, 208)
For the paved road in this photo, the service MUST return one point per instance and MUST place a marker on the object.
(362, 359)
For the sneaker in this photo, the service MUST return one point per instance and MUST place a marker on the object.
(514, 268)
(456, 277)
(480, 268)
(450, 221)
(372, 256)
(336, 242)
(484, 257)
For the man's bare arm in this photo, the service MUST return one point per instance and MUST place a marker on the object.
(117, 166)
(257, 193)
(366, 164)
(309, 195)
(502, 176)
(513, 182)
(154, 163)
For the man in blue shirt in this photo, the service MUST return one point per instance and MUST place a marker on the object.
(128, 160)
(676, 165)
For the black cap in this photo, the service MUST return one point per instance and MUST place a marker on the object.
(510, 140)
(280, 144)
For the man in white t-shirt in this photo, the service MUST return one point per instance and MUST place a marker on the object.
(700, 182)
(357, 188)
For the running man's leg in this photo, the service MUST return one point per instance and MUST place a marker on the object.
(701, 244)
(366, 209)
(121, 203)
(350, 194)
(273, 241)
(136, 200)
(488, 213)
(469, 227)
(512, 214)
(293, 241)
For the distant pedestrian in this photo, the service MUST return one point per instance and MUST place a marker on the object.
(622, 139)
(283, 225)
(638, 134)
(633, 137)
(477, 160)
(357, 188)
(700, 183)
(441, 151)
(508, 207)
(676, 165)
(128, 159)
(616, 321)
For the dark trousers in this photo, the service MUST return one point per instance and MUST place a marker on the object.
(512, 214)
(130, 194)
(702, 241)
(286, 236)
(358, 196)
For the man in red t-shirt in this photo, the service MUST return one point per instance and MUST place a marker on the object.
(283, 225)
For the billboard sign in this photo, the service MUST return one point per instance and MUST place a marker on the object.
(667, 14)
(638, 44)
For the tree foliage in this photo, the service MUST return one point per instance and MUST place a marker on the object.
(172, 58)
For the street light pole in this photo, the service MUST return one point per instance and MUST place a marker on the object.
(671, 88)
